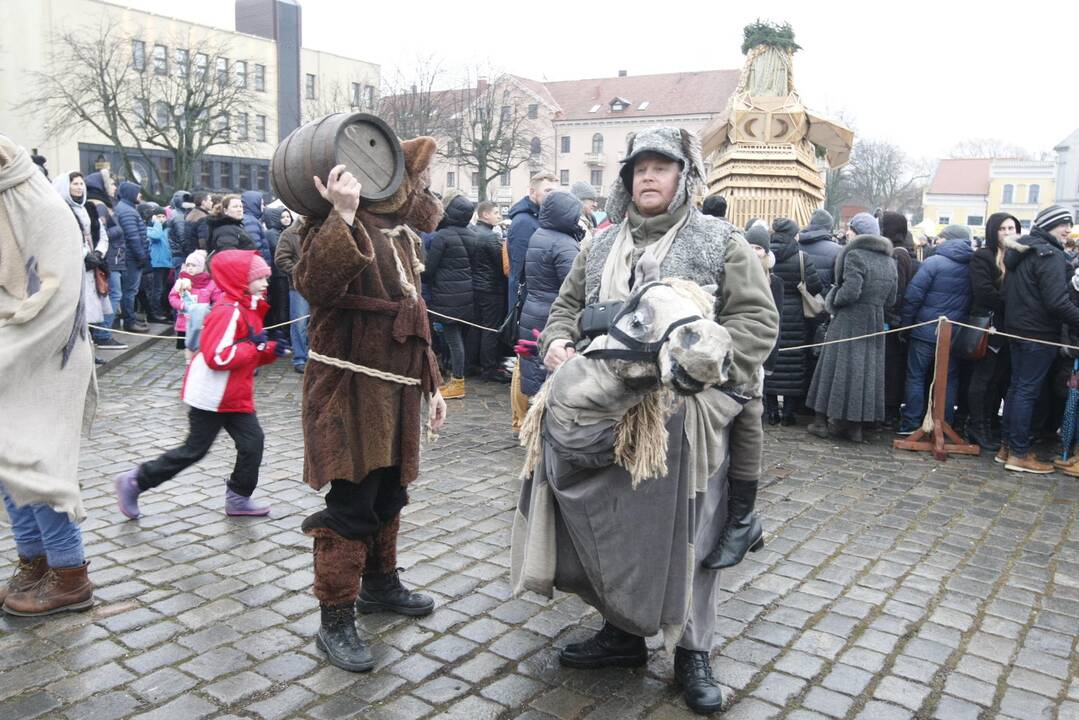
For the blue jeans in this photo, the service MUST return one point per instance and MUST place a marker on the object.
(130, 282)
(1031, 363)
(920, 358)
(298, 307)
(40, 530)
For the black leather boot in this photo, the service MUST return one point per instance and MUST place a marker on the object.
(385, 593)
(853, 431)
(742, 532)
(819, 426)
(610, 647)
(978, 432)
(771, 409)
(693, 672)
(339, 640)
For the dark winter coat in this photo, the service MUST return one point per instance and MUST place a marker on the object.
(848, 383)
(288, 252)
(986, 276)
(99, 199)
(227, 233)
(788, 375)
(274, 228)
(252, 202)
(448, 267)
(905, 267)
(487, 276)
(550, 255)
(524, 216)
(940, 287)
(819, 247)
(136, 241)
(176, 226)
(1036, 288)
(196, 231)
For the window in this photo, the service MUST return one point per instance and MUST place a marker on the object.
(138, 55)
(161, 60)
(223, 124)
(597, 179)
(206, 174)
(563, 177)
(245, 176)
(944, 220)
(260, 128)
(975, 220)
(1009, 194)
(309, 87)
(226, 175)
(1025, 224)
(164, 170)
(356, 90)
(507, 113)
(565, 143)
(183, 63)
(240, 68)
(161, 115)
(202, 66)
(369, 97)
(222, 71)
(475, 179)
(241, 127)
(451, 179)
(535, 147)
(260, 77)
(597, 145)
(533, 112)
(1033, 193)
(504, 179)
(262, 177)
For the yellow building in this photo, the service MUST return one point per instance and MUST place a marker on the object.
(968, 191)
(1021, 188)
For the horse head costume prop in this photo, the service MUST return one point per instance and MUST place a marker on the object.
(662, 343)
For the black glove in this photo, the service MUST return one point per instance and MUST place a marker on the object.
(94, 261)
(260, 338)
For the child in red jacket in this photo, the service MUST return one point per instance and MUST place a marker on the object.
(219, 388)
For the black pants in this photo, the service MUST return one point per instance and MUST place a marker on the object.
(491, 310)
(989, 384)
(277, 296)
(243, 428)
(356, 510)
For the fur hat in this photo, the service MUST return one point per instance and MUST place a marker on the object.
(864, 224)
(671, 142)
(894, 227)
(583, 190)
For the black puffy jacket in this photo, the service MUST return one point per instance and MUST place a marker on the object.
(228, 233)
(551, 251)
(487, 276)
(1036, 288)
(788, 375)
(272, 217)
(448, 267)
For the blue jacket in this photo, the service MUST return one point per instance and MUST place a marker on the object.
(136, 241)
(160, 254)
(940, 287)
(819, 247)
(252, 200)
(525, 221)
(550, 255)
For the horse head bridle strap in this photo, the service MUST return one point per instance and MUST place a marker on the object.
(637, 350)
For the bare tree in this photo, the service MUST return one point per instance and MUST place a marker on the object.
(329, 98)
(180, 104)
(409, 102)
(988, 148)
(880, 175)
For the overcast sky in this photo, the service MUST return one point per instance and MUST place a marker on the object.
(924, 75)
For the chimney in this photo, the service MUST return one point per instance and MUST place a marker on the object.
(481, 85)
(621, 73)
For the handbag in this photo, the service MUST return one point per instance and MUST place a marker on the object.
(507, 331)
(101, 282)
(596, 318)
(812, 304)
(973, 344)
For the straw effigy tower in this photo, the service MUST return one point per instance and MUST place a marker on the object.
(764, 148)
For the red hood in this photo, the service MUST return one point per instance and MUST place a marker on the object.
(229, 270)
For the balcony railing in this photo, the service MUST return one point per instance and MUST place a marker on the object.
(595, 159)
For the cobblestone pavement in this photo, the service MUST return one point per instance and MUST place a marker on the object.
(891, 586)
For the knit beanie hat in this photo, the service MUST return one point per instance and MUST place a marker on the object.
(783, 230)
(864, 224)
(955, 232)
(758, 235)
(820, 224)
(197, 260)
(259, 269)
(583, 190)
(1052, 216)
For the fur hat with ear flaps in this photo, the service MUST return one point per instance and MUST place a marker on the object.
(671, 142)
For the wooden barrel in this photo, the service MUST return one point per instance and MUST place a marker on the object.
(363, 143)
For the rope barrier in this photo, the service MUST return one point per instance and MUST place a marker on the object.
(859, 337)
(362, 369)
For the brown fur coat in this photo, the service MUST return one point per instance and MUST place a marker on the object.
(361, 312)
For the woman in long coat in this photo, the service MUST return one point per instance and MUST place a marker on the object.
(848, 385)
(788, 376)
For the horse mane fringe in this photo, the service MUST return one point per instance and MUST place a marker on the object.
(530, 435)
(641, 438)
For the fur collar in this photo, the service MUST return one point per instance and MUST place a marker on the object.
(1012, 243)
(875, 243)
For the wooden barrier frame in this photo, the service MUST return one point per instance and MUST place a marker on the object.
(921, 441)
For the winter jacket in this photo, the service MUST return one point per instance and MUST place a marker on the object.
(905, 267)
(1036, 288)
(487, 275)
(788, 376)
(160, 255)
(228, 233)
(252, 201)
(196, 231)
(525, 221)
(776, 286)
(448, 268)
(819, 247)
(97, 197)
(288, 251)
(177, 225)
(550, 255)
(136, 242)
(203, 291)
(274, 228)
(940, 287)
(220, 378)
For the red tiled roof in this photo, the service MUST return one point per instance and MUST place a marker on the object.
(687, 93)
(961, 177)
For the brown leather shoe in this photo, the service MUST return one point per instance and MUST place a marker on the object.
(1027, 463)
(1069, 470)
(1061, 463)
(1002, 455)
(27, 572)
(58, 590)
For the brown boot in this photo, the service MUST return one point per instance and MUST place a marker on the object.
(1027, 463)
(1002, 455)
(1072, 462)
(455, 388)
(58, 590)
(27, 572)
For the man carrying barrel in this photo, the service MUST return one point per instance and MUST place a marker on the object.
(369, 366)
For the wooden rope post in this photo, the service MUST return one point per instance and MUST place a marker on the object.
(938, 443)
